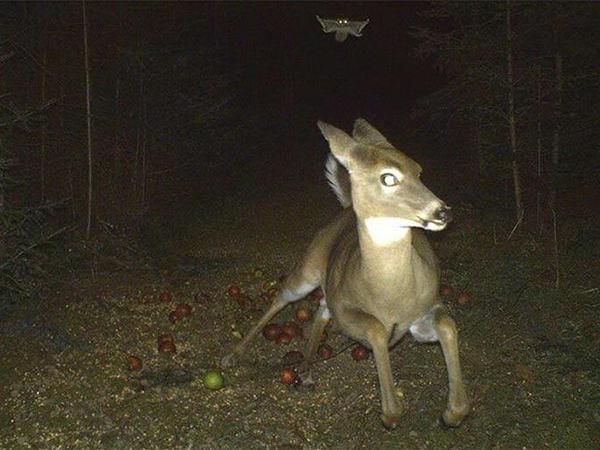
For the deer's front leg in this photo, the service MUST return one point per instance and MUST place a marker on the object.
(445, 331)
(458, 401)
(369, 328)
(439, 326)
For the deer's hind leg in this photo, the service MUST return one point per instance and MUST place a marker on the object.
(439, 326)
(297, 285)
(321, 319)
(306, 276)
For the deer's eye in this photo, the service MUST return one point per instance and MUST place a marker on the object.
(388, 179)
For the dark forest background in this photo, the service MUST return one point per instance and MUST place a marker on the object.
(185, 97)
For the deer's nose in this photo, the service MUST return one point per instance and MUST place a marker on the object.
(444, 214)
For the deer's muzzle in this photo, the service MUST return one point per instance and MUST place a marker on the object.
(444, 214)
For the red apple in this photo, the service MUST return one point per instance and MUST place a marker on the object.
(288, 375)
(165, 337)
(167, 347)
(234, 290)
(134, 363)
(303, 314)
(283, 338)
(183, 310)
(360, 352)
(271, 331)
(292, 329)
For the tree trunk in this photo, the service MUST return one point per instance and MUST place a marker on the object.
(538, 213)
(478, 142)
(511, 115)
(138, 142)
(144, 153)
(44, 126)
(89, 122)
(559, 80)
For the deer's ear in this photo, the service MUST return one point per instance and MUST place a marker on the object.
(365, 133)
(341, 144)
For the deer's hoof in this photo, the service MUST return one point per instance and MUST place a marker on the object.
(301, 387)
(390, 422)
(305, 383)
(443, 424)
(450, 419)
(228, 361)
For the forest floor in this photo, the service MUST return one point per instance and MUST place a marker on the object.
(529, 349)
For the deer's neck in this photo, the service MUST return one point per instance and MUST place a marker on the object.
(386, 249)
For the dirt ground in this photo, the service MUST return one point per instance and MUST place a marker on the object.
(529, 350)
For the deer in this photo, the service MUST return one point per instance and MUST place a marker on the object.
(379, 275)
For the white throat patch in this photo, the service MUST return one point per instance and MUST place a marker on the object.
(387, 230)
